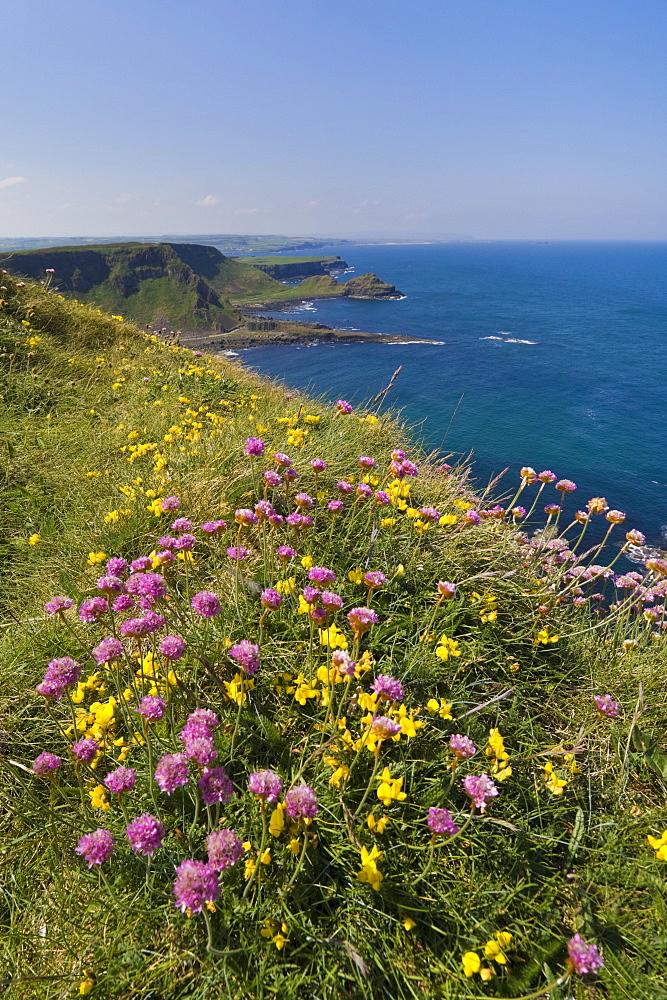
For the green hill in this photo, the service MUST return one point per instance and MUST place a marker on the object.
(179, 285)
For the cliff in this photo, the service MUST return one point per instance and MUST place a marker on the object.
(288, 268)
(147, 283)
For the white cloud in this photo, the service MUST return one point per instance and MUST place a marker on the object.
(11, 181)
(208, 202)
(245, 211)
(124, 198)
(362, 206)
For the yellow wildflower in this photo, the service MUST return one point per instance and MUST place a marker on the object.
(471, 963)
(409, 923)
(307, 562)
(544, 638)
(355, 575)
(659, 845)
(441, 708)
(447, 647)
(86, 986)
(98, 798)
(387, 522)
(277, 821)
(499, 756)
(495, 948)
(333, 638)
(445, 520)
(96, 557)
(369, 872)
(377, 825)
(552, 781)
(34, 539)
(287, 586)
(390, 789)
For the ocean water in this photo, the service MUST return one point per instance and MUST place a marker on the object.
(554, 355)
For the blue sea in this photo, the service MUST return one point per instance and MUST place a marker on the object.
(554, 356)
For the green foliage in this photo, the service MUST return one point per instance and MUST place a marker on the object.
(91, 405)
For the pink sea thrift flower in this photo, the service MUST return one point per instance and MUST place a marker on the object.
(84, 751)
(57, 605)
(361, 620)
(206, 604)
(343, 406)
(123, 779)
(374, 579)
(171, 503)
(462, 747)
(213, 527)
(566, 485)
(285, 553)
(266, 784)
(271, 478)
(585, 958)
(388, 688)
(254, 447)
(145, 834)
(152, 707)
(173, 647)
(45, 765)
(322, 575)
(224, 849)
(384, 728)
(446, 589)
(108, 650)
(95, 847)
(60, 674)
(479, 789)
(215, 786)
(172, 772)
(301, 803)
(238, 552)
(195, 885)
(91, 609)
(606, 705)
(440, 821)
(246, 654)
(270, 599)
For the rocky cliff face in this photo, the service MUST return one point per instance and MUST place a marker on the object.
(288, 270)
(144, 282)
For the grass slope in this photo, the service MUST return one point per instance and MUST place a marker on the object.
(99, 424)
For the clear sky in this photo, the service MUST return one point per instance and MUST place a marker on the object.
(490, 119)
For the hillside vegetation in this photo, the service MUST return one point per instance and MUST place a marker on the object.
(173, 285)
(362, 733)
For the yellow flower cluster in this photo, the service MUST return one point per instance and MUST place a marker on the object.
(494, 949)
(369, 873)
(447, 647)
(659, 845)
(499, 757)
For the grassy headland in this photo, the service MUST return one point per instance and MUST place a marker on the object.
(102, 428)
(185, 286)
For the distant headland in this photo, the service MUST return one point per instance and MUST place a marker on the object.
(196, 289)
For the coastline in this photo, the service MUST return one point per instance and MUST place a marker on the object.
(280, 332)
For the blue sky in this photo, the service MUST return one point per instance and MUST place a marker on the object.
(493, 119)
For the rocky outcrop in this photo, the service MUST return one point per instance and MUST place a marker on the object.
(369, 286)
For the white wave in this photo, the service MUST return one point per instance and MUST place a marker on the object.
(402, 343)
(510, 340)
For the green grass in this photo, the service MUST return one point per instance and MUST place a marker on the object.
(539, 866)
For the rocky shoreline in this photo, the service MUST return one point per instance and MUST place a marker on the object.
(270, 333)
